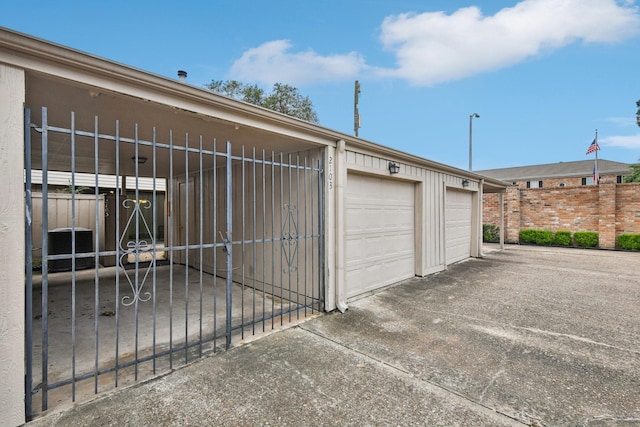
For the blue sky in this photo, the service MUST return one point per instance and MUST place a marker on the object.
(542, 74)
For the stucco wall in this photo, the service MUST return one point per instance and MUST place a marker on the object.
(12, 295)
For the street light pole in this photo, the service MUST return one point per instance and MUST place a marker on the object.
(476, 115)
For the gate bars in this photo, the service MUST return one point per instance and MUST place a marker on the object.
(243, 245)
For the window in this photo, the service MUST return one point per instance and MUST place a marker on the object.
(588, 181)
(561, 184)
(534, 184)
(619, 179)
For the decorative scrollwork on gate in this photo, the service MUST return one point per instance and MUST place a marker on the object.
(137, 248)
(289, 238)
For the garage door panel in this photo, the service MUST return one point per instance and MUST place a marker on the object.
(365, 276)
(373, 218)
(380, 233)
(368, 249)
(375, 260)
(458, 225)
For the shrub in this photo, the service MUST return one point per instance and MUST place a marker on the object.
(544, 237)
(586, 239)
(490, 233)
(629, 241)
(537, 237)
(562, 238)
(527, 236)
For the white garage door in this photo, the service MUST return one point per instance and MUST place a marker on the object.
(380, 233)
(458, 225)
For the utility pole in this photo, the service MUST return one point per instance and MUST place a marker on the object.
(356, 114)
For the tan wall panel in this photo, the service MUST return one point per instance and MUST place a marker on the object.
(12, 294)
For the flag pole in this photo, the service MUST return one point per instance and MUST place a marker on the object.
(597, 174)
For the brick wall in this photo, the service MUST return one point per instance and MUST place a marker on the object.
(490, 209)
(609, 209)
(628, 208)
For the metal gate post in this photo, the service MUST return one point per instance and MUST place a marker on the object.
(45, 255)
(229, 244)
(28, 386)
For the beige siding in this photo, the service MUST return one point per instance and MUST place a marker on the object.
(434, 236)
(12, 287)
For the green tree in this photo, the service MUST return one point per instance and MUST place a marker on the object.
(634, 175)
(283, 98)
(638, 112)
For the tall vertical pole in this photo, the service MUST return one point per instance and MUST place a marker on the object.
(229, 243)
(356, 114)
(28, 397)
(471, 138)
(596, 175)
(45, 255)
(470, 141)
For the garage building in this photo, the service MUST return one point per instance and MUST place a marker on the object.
(247, 220)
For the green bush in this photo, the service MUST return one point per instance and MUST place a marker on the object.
(490, 233)
(562, 238)
(544, 238)
(629, 241)
(536, 237)
(528, 235)
(586, 239)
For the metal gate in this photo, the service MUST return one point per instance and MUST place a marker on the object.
(192, 247)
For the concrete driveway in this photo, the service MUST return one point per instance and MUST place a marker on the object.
(528, 335)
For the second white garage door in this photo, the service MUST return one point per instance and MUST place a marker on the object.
(380, 233)
(458, 225)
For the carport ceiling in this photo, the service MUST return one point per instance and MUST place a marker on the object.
(62, 97)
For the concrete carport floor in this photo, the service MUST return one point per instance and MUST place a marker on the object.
(525, 336)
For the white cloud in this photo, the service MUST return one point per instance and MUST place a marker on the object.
(274, 62)
(432, 48)
(623, 121)
(631, 142)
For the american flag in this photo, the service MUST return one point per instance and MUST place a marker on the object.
(593, 147)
